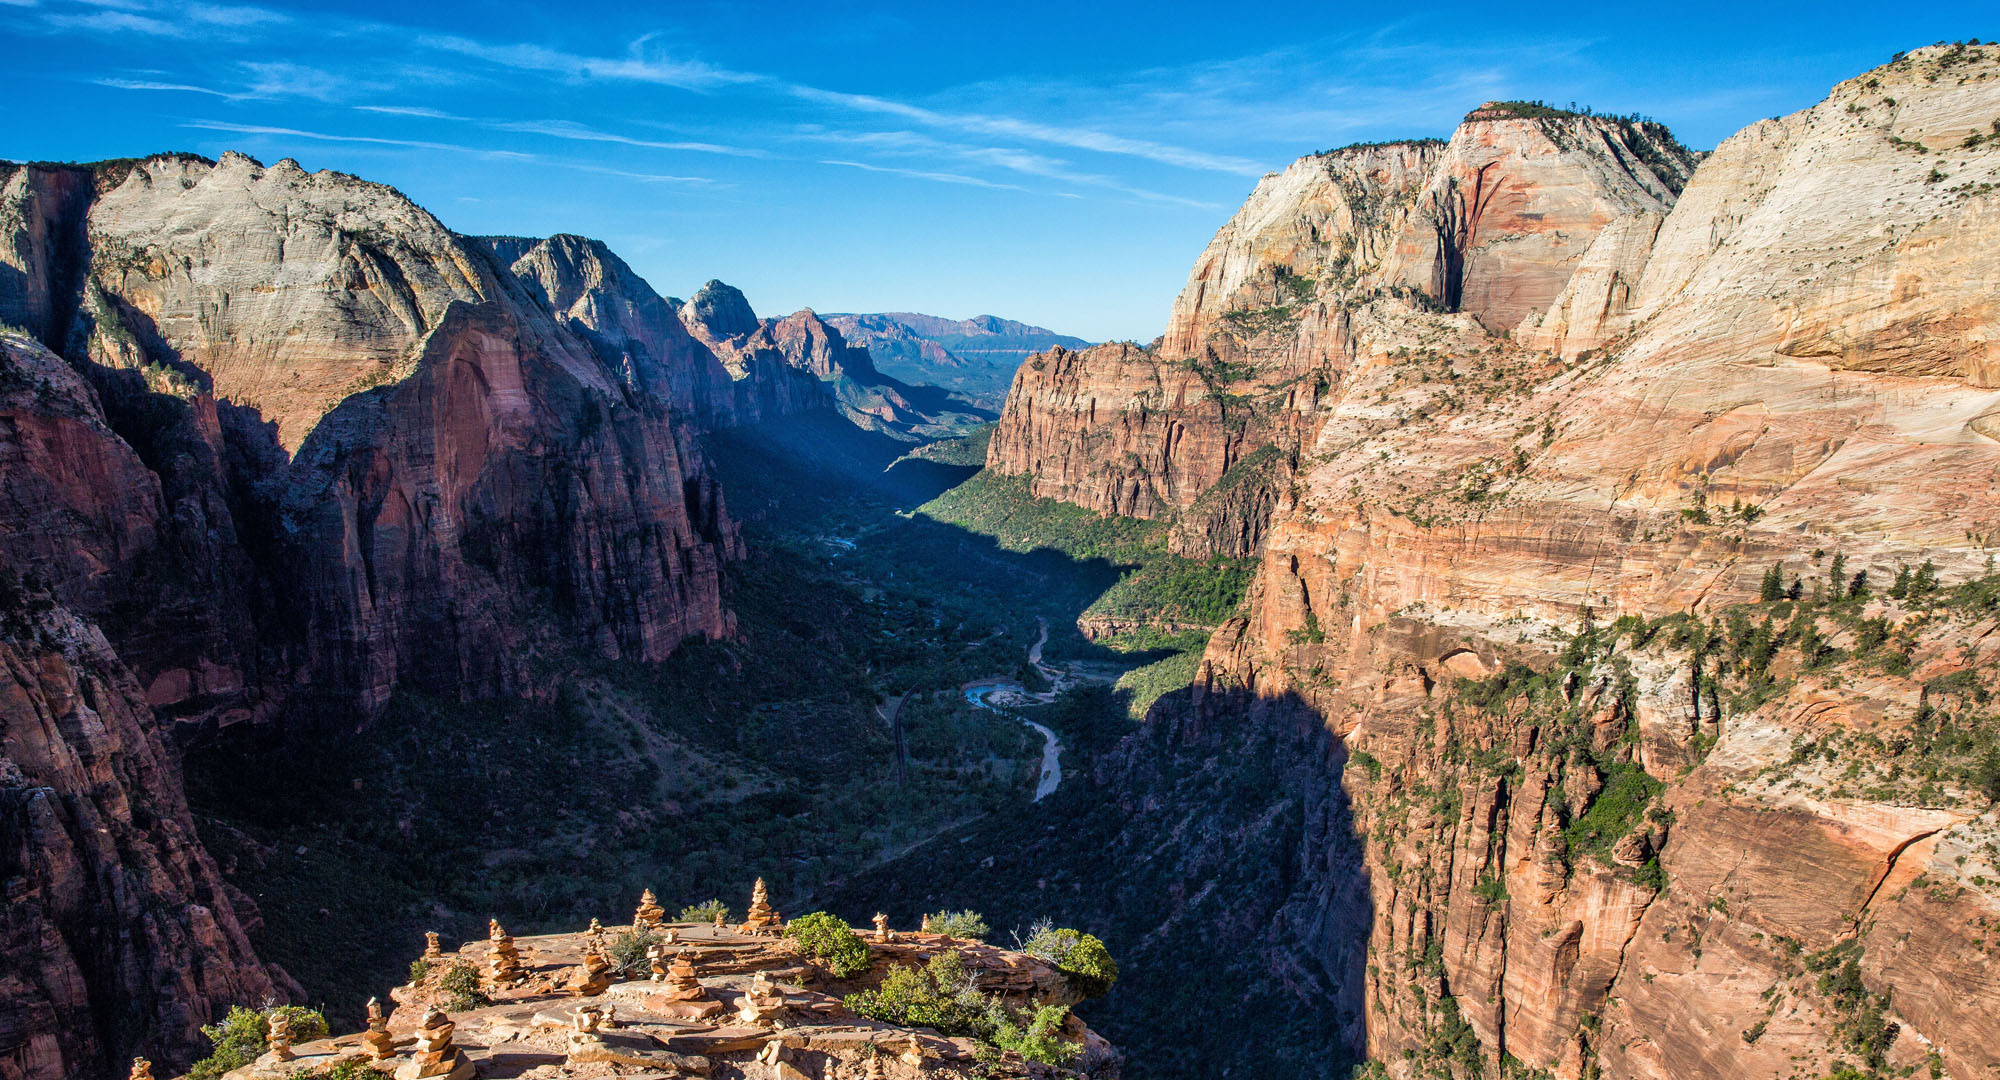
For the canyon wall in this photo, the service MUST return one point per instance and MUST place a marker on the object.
(1491, 223)
(119, 934)
(277, 444)
(1606, 827)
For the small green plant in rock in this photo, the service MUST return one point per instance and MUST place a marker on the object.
(239, 1039)
(627, 948)
(941, 995)
(460, 986)
(1081, 957)
(1038, 1037)
(830, 942)
(969, 925)
(704, 912)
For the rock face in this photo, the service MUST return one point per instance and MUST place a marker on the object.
(356, 414)
(1491, 223)
(119, 933)
(806, 345)
(279, 444)
(1667, 846)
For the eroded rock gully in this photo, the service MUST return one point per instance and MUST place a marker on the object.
(1587, 853)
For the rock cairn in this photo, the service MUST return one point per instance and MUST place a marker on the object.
(503, 961)
(432, 950)
(592, 976)
(882, 931)
(683, 982)
(876, 1070)
(656, 960)
(278, 1036)
(719, 921)
(762, 918)
(435, 1056)
(650, 915)
(376, 1042)
(141, 1069)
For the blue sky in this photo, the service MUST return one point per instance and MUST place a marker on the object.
(1058, 163)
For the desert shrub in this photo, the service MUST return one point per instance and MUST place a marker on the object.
(969, 925)
(704, 912)
(942, 995)
(1081, 957)
(627, 949)
(346, 1070)
(460, 986)
(418, 969)
(239, 1039)
(830, 942)
(1037, 1036)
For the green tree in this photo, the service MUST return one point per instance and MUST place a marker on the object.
(830, 942)
(239, 1039)
(1773, 587)
(1081, 957)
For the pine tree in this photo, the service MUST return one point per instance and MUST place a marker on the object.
(1773, 587)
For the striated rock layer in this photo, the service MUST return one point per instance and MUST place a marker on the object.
(119, 934)
(1722, 837)
(278, 443)
(1491, 223)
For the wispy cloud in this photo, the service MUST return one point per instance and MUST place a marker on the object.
(1079, 138)
(369, 140)
(140, 84)
(565, 129)
(411, 110)
(921, 174)
(419, 144)
(636, 67)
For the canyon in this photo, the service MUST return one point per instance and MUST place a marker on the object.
(1543, 810)
(1563, 560)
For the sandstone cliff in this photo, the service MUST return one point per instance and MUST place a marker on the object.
(1721, 837)
(302, 447)
(1491, 223)
(379, 437)
(119, 934)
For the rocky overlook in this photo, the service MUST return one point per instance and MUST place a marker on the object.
(663, 998)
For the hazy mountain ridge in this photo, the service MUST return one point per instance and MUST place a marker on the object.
(975, 356)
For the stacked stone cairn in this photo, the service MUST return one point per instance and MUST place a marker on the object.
(503, 960)
(434, 1055)
(592, 976)
(141, 1069)
(650, 916)
(762, 918)
(376, 1042)
(882, 931)
(278, 1036)
(432, 950)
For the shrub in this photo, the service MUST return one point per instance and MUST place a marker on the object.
(969, 925)
(704, 912)
(627, 949)
(1081, 957)
(239, 1039)
(830, 942)
(418, 969)
(460, 986)
(941, 995)
(1038, 1037)
(348, 1070)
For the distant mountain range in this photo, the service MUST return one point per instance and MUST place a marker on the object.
(974, 357)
